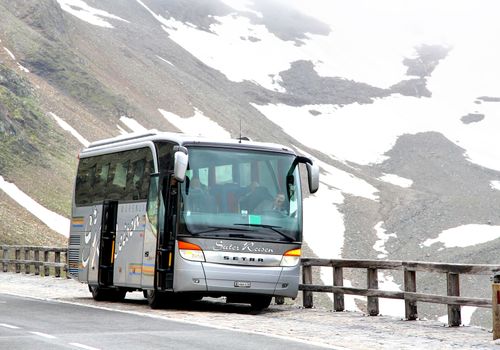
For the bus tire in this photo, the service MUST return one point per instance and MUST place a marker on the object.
(156, 299)
(260, 302)
(99, 294)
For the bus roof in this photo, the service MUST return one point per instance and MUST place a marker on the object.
(129, 140)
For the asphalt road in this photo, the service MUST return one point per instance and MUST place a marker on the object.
(38, 324)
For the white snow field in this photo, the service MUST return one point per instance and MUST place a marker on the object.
(465, 236)
(65, 126)
(198, 124)
(53, 220)
(85, 12)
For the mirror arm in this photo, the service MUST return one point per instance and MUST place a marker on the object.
(180, 149)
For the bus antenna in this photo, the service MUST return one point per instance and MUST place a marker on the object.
(240, 130)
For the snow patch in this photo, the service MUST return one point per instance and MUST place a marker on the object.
(342, 180)
(393, 29)
(70, 129)
(324, 233)
(465, 313)
(83, 11)
(10, 53)
(159, 18)
(396, 180)
(242, 6)
(164, 60)
(465, 236)
(122, 130)
(337, 132)
(132, 124)
(23, 68)
(224, 49)
(198, 124)
(383, 237)
(495, 185)
(391, 307)
(54, 221)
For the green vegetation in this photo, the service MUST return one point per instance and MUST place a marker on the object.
(60, 67)
(30, 149)
(21, 122)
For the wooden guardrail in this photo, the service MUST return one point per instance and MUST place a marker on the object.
(36, 259)
(409, 295)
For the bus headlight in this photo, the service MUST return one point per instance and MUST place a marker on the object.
(291, 258)
(190, 251)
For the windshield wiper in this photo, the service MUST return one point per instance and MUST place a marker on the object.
(271, 227)
(217, 228)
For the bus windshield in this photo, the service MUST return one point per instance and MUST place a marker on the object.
(241, 194)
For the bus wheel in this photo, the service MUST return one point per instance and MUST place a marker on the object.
(260, 302)
(155, 298)
(99, 294)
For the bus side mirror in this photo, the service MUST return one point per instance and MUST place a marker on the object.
(313, 176)
(180, 165)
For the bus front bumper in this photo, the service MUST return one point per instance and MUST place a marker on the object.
(225, 279)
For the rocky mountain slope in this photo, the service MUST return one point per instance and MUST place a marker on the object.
(403, 124)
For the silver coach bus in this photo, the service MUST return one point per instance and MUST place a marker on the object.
(174, 215)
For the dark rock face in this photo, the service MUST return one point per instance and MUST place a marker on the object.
(420, 68)
(428, 57)
(412, 87)
(472, 118)
(302, 81)
(286, 23)
(489, 99)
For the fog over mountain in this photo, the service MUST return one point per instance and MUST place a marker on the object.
(399, 102)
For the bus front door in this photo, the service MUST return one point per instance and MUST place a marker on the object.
(107, 243)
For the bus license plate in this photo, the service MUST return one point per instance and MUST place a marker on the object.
(242, 284)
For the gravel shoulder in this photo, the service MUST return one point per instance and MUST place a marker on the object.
(338, 330)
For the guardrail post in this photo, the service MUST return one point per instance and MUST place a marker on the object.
(372, 283)
(57, 259)
(454, 317)
(66, 267)
(338, 281)
(37, 262)
(27, 266)
(410, 285)
(307, 296)
(18, 257)
(46, 270)
(5, 255)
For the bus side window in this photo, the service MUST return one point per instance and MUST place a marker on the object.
(117, 186)
(116, 176)
(138, 174)
(101, 180)
(84, 180)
